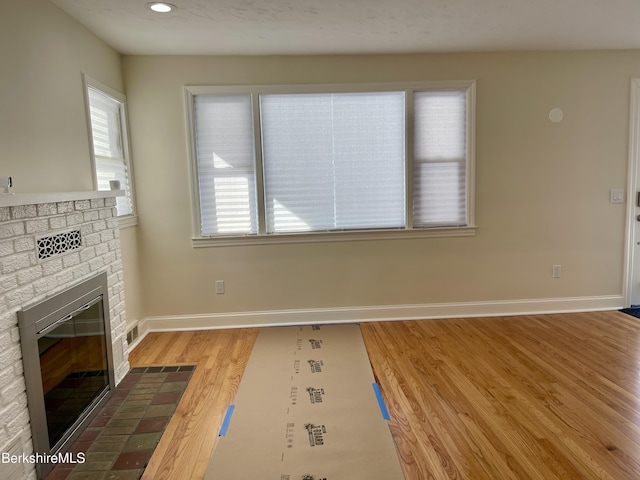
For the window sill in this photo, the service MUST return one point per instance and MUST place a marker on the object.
(320, 237)
(127, 221)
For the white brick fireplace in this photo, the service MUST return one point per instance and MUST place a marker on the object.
(49, 242)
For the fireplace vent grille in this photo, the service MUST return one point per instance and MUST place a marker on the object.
(59, 244)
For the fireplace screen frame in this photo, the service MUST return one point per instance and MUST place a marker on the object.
(34, 322)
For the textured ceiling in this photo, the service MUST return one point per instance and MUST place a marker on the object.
(263, 27)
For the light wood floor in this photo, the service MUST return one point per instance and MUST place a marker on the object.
(532, 397)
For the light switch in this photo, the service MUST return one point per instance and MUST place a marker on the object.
(616, 196)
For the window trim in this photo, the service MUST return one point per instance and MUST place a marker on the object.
(129, 220)
(409, 231)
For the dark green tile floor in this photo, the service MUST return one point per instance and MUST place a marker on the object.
(119, 441)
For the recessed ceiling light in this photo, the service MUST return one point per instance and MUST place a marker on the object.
(161, 7)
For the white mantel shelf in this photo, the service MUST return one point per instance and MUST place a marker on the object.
(13, 200)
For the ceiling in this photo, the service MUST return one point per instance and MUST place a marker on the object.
(271, 27)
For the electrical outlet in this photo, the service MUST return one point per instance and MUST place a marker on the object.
(557, 271)
(219, 287)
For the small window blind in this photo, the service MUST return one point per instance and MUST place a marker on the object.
(108, 148)
(440, 158)
(333, 161)
(225, 160)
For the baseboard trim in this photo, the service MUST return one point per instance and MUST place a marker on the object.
(274, 318)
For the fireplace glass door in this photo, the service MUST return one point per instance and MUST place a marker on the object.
(73, 363)
(68, 363)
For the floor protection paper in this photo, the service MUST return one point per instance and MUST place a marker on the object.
(307, 408)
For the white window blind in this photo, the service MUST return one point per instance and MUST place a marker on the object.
(108, 146)
(225, 161)
(440, 158)
(333, 161)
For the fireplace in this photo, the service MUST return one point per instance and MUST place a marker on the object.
(50, 243)
(68, 364)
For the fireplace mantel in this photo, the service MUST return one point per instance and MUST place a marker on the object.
(19, 199)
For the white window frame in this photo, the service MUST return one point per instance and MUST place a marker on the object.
(131, 219)
(303, 237)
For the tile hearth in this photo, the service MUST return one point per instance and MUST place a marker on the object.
(120, 440)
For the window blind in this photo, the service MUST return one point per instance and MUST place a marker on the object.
(333, 161)
(440, 158)
(225, 162)
(108, 149)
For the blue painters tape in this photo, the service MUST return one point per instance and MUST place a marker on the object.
(227, 419)
(383, 407)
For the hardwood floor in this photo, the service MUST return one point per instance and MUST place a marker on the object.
(221, 355)
(530, 397)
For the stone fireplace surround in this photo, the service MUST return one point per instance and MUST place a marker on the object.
(28, 275)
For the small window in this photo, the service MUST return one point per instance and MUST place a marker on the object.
(110, 149)
(226, 171)
(440, 156)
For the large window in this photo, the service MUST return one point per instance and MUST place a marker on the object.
(107, 121)
(277, 162)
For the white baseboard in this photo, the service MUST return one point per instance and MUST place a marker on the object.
(274, 318)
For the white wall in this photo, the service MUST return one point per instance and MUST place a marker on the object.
(43, 131)
(542, 189)
(44, 142)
